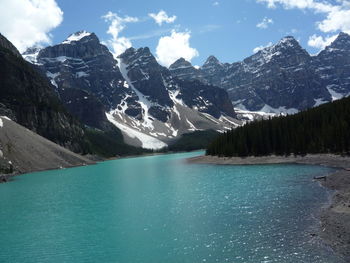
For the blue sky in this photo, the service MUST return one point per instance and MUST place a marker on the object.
(228, 29)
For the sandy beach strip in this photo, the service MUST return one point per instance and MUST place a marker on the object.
(335, 219)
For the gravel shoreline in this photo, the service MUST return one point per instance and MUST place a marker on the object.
(335, 219)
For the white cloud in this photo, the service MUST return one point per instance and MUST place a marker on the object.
(162, 17)
(300, 4)
(320, 42)
(337, 19)
(265, 23)
(177, 45)
(117, 25)
(28, 22)
(257, 49)
(216, 3)
(337, 15)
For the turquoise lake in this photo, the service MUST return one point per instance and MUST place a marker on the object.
(162, 209)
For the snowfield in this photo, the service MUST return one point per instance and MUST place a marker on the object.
(148, 142)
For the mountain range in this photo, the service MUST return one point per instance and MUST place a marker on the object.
(280, 78)
(135, 93)
(153, 106)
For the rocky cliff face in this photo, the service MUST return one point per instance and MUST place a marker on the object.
(140, 97)
(28, 98)
(147, 79)
(4, 43)
(279, 78)
(81, 62)
(333, 66)
(213, 70)
(184, 70)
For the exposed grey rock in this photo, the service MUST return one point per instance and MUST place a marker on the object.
(333, 66)
(279, 76)
(182, 69)
(283, 77)
(214, 71)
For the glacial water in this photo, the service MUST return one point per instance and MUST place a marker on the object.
(161, 209)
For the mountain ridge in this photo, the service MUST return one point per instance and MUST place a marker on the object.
(276, 77)
(133, 92)
(143, 98)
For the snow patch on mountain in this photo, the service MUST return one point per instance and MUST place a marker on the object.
(192, 127)
(144, 102)
(148, 142)
(31, 55)
(229, 121)
(81, 74)
(319, 102)
(335, 95)
(52, 77)
(279, 111)
(76, 37)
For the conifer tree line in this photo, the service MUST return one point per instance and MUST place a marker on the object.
(324, 129)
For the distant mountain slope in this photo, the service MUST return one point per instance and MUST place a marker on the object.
(324, 129)
(27, 151)
(134, 92)
(279, 78)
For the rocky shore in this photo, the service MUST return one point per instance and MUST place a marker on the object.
(335, 219)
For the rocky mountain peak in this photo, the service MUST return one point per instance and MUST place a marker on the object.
(343, 35)
(288, 41)
(80, 35)
(333, 66)
(286, 44)
(143, 51)
(78, 45)
(138, 57)
(147, 76)
(211, 60)
(287, 50)
(184, 70)
(341, 43)
(181, 63)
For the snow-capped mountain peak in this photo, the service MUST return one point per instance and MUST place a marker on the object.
(76, 36)
(288, 41)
